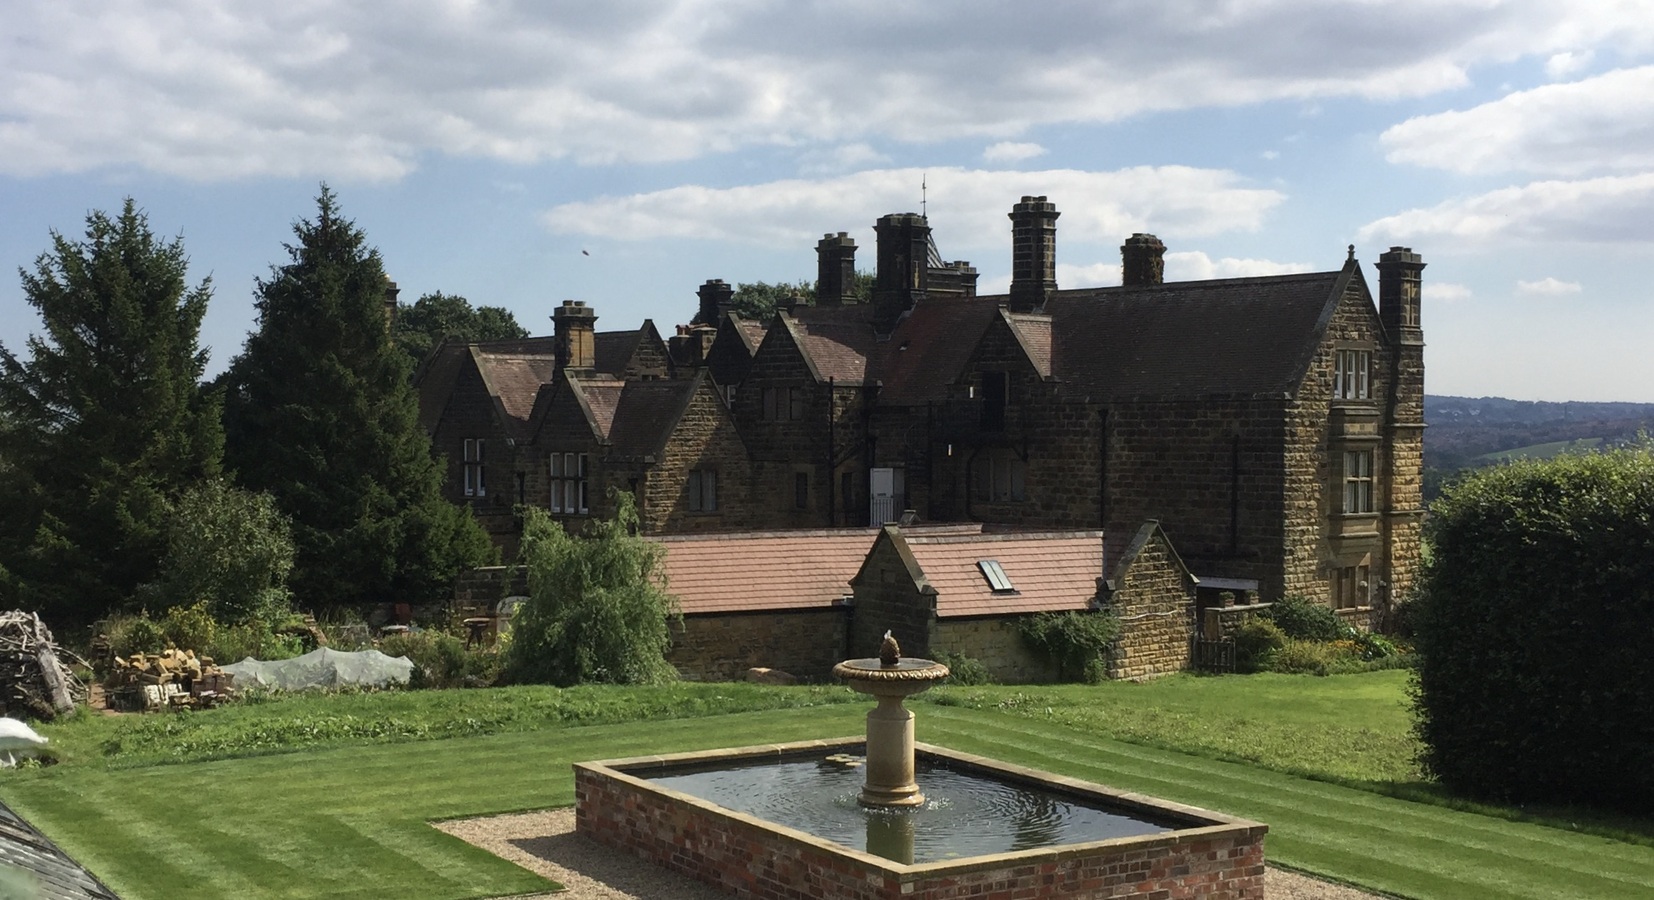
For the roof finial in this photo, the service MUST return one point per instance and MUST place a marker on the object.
(1352, 254)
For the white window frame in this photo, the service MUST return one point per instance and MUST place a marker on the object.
(1352, 374)
(570, 473)
(1358, 482)
(475, 471)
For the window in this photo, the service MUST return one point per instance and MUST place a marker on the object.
(703, 491)
(1352, 375)
(783, 404)
(1358, 481)
(995, 396)
(801, 490)
(998, 581)
(475, 475)
(568, 483)
(1351, 587)
(1000, 476)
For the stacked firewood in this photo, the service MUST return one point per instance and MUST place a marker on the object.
(170, 678)
(34, 677)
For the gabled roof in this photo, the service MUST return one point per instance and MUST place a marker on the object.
(599, 397)
(1240, 336)
(837, 342)
(1149, 531)
(1033, 332)
(929, 347)
(646, 414)
(513, 380)
(1049, 571)
(751, 571)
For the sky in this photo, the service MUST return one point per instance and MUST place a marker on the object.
(621, 153)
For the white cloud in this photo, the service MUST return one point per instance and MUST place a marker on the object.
(1444, 292)
(1561, 65)
(1598, 125)
(1548, 287)
(1197, 266)
(967, 207)
(205, 90)
(1600, 210)
(842, 158)
(1011, 151)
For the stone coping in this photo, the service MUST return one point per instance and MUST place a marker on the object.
(1201, 823)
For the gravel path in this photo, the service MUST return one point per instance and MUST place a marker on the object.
(545, 843)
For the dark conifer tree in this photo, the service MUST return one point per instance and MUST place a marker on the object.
(320, 413)
(105, 422)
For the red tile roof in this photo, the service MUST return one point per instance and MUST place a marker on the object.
(1051, 571)
(750, 571)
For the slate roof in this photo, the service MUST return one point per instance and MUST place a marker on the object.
(752, 571)
(1050, 571)
(601, 397)
(928, 348)
(645, 415)
(26, 850)
(1241, 336)
(837, 341)
(514, 379)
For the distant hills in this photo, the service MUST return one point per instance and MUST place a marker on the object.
(1472, 431)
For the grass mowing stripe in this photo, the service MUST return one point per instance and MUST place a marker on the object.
(1263, 795)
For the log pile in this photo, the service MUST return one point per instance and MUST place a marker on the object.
(171, 678)
(34, 677)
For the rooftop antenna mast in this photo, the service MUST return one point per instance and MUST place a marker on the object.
(924, 198)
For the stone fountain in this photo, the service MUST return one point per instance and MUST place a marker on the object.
(890, 679)
(769, 821)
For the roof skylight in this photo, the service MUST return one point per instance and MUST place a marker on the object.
(996, 576)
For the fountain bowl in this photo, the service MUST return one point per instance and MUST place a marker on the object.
(1200, 854)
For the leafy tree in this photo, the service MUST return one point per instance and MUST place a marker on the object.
(228, 549)
(597, 608)
(760, 299)
(1534, 680)
(422, 325)
(319, 413)
(105, 421)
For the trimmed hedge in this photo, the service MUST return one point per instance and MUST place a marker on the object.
(1535, 676)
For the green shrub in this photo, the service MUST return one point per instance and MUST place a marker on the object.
(442, 660)
(1255, 641)
(1297, 657)
(1306, 620)
(134, 634)
(1534, 682)
(1077, 643)
(228, 549)
(597, 608)
(963, 670)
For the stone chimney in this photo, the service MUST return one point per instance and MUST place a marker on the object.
(716, 299)
(835, 269)
(903, 267)
(391, 293)
(691, 345)
(1142, 261)
(575, 335)
(1033, 253)
(1399, 281)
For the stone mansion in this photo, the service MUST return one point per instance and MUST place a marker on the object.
(1272, 426)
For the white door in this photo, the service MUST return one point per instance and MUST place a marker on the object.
(881, 496)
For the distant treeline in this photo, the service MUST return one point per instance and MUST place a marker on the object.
(1464, 431)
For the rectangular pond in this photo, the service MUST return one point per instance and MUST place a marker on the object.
(782, 821)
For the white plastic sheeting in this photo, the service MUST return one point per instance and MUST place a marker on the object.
(323, 668)
(18, 741)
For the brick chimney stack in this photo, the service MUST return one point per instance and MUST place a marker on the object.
(835, 269)
(1033, 253)
(716, 299)
(903, 267)
(391, 293)
(1142, 261)
(574, 335)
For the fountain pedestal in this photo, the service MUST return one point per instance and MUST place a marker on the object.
(889, 768)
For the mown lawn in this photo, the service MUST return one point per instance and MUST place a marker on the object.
(344, 814)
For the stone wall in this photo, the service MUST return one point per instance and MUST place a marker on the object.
(723, 646)
(737, 855)
(996, 643)
(890, 595)
(469, 415)
(1155, 602)
(705, 439)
